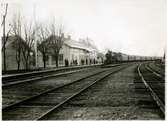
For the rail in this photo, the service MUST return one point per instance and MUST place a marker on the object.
(31, 76)
(5, 77)
(154, 95)
(70, 97)
(76, 94)
(47, 91)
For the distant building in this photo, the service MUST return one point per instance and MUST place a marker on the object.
(75, 52)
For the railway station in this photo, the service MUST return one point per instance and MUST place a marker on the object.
(52, 74)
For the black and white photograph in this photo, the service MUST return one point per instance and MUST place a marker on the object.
(83, 59)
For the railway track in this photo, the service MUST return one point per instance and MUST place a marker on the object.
(39, 106)
(9, 80)
(161, 66)
(155, 72)
(157, 69)
(154, 84)
(34, 78)
(15, 93)
(18, 92)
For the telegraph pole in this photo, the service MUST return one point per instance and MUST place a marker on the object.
(35, 43)
(4, 38)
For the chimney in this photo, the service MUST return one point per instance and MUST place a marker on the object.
(69, 37)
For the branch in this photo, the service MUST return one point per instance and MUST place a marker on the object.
(6, 10)
(4, 16)
(7, 36)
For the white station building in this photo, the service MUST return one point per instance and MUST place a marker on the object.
(77, 53)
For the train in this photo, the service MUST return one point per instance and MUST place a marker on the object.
(118, 57)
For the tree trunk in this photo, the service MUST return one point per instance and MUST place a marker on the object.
(57, 60)
(18, 65)
(18, 60)
(44, 61)
(27, 64)
(44, 64)
(4, 42)
(4, 58)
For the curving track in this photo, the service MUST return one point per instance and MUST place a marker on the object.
(157, 68)
(154, 83)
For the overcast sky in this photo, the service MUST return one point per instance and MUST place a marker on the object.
(137, 27)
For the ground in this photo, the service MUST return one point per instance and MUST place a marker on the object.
(115, 98)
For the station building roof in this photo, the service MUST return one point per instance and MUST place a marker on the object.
(75, 44)
(78, 45)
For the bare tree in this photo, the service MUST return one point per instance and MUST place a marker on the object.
(43, 34)
(5, 37)
(29, 37)
(16, 28)
(56, 40)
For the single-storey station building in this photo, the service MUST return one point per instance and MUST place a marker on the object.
(75, 52)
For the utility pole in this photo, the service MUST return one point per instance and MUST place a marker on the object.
(35, 44)
(4, 38)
